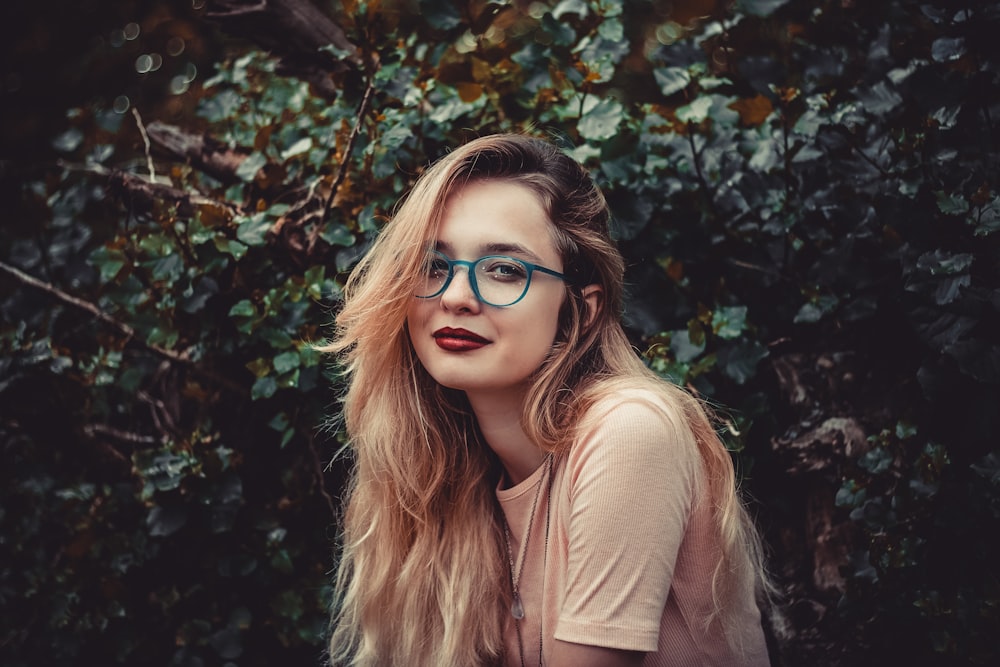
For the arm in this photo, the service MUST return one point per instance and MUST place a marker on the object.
(632, 478)
(568, 654)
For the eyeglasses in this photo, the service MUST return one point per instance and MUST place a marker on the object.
(496, 280)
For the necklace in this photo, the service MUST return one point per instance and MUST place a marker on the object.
(517, 607)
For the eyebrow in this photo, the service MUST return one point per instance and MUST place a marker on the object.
(493, 249)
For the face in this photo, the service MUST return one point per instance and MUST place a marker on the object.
(468, 345)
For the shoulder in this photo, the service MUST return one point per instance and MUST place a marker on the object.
(634, 420)
(640, 406)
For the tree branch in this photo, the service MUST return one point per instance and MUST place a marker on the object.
(122, 328)
(345, 160)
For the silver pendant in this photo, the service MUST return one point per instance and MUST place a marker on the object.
(516, 608)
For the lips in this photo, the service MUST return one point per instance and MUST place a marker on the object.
(458, 340)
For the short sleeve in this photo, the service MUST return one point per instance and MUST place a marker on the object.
(633, 479)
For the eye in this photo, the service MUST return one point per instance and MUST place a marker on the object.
(436, 267)
(503, 269)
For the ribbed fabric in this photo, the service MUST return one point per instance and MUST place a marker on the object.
(630, 547)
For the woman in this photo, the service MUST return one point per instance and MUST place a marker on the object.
(526, 492)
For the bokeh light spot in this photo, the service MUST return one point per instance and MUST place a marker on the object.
(117, 37)
(144, 63)
(175, 46)
(179, 85)
(121, 104)
(131, 31)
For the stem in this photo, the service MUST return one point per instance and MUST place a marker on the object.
(355, 131)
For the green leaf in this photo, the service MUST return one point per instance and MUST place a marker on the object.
(696, 111)
(243, 308)
(760, 7)
(671, 79)
(683, 348)
(600, 119)
(740, 361)
(253, 230)
(728, 322)
(338, 235)
(264, 387)
(286, 361)
(248, 169)
(951, 204)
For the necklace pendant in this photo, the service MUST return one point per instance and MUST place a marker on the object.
(516, 608)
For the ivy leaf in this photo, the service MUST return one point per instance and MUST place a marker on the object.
(671, 79)
(248, 169)
(682, 346)
(440, 14)
(728, 322)
(253, 230)
(264, 388)
(601, 121)
(952, 204)
(739, 361)
(286, 361)
(946, 49)
(339, 235)
(760, 7)
(164, 521)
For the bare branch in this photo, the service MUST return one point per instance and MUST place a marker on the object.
(122, 328)
(345, 159)
(145, 141)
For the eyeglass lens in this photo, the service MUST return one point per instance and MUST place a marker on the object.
(497, 280)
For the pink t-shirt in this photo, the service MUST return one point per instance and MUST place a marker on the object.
(630, 548)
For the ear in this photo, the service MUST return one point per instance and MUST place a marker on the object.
(593, 297)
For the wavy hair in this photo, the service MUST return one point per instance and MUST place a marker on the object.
(422, 577)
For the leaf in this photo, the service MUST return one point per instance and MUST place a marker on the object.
(728, 322)
(264, 387)
(760, 7)
(753, 110)
(68, 141)
(946, 49)
(243, 308)
(879, 99)
(601, 122)
(696, 111)
(164, 521)
(440, 14)
(683, 348)
(253, 230)
(303, 145)
(739, 361)
(951, 204)
(671, 79)
(248, 169)
(286, 361)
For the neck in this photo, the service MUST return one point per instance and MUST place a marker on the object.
(499, 418)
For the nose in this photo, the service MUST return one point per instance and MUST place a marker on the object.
(459, 295)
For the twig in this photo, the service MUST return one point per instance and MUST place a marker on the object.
(145, 141)
(121, 327)
(318, 465)
(342, 169)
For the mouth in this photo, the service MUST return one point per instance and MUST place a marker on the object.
(458, 340)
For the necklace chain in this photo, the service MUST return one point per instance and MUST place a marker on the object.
(517, 607)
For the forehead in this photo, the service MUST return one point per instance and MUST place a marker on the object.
(496, 216)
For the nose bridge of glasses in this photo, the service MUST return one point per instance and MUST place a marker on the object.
(470, 275)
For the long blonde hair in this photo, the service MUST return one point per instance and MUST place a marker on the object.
(422, 577)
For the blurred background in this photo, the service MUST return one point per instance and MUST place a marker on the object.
(806, 194)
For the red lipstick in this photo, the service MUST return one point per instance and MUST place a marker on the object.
(458, 340)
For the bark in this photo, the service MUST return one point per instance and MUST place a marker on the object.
(202, 152)
(309, 43)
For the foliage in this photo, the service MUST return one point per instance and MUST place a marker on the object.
(789, 181)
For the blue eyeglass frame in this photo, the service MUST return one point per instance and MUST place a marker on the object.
(470, 268)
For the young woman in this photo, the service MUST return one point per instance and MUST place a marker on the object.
(525, 491)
